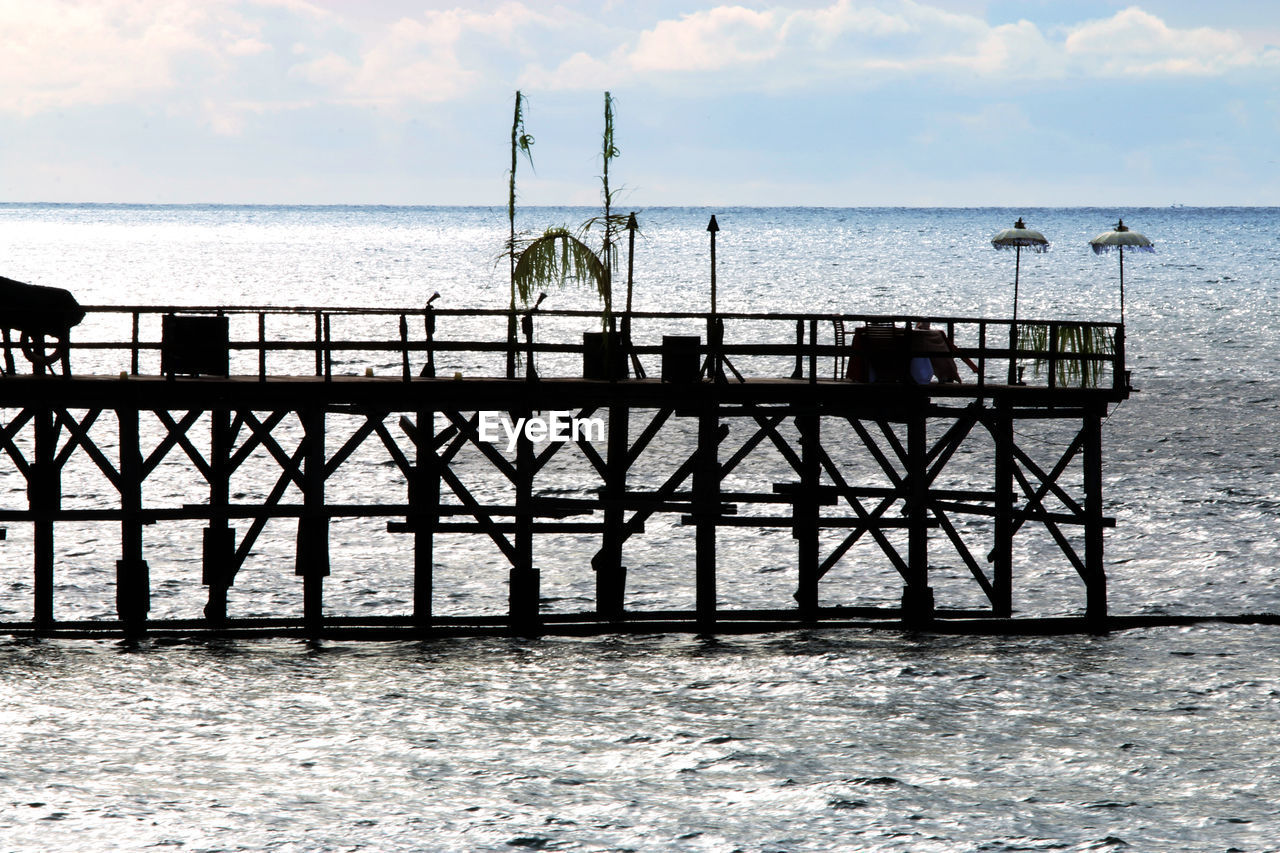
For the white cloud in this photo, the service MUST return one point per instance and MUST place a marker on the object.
(718, 38)
(778, 47)
(409, 64)
(239, 57)
(61, 54)
(1137, 42)
(438, 56)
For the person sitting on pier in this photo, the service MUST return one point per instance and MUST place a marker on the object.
(882, 352)
(924, 368)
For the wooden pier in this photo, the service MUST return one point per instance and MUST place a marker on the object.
(767, 400)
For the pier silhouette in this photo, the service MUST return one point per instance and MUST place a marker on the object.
(283, 397)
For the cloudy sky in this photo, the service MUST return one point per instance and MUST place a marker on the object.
(834, 102)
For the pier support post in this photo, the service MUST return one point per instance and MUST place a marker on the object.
(1095, 569)
(219, 549)
(525, 593)
(706, 510)
(1002, 547)
(917, 596)
(313, 527)
(133, 583)
(611, 575)
(805, 517)
(424, 509)
(44, 495)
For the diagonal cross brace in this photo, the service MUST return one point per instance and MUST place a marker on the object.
(6, 440)
(635, 524)
(371, 421)
(273, 499)
(465, 432)
(179, 436)
(468, 428)
(963, 550)
(768, 429)
(583, 444)
(79, 432)
(1064, 543)
(255, 435)
(167, 443)
(647, 435)
(868, 522)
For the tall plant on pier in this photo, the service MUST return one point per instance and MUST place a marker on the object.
(609, 222)
(560, 255)
(521, 143)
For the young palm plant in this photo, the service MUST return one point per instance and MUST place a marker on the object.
(561, 256)
(521, 143)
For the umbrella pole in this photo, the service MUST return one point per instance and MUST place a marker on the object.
(1013, 327)
(1122, 285)
(1017, 266)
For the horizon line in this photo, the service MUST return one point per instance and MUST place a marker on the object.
(500, 206)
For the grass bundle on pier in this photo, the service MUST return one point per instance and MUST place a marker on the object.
(1072, 339)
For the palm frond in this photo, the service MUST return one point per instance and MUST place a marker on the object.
(558, 258)
(616, 222)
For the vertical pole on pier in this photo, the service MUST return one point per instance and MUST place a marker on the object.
(424, 509)
(404, 348)
(219, 537)
(1119, 377)
(805, 517)
(320, 360)
(429, 327)
(917, 597)
(706, 510)
(328, 349)
(1002, 550)
(525, 579)
(10, 368)
(1096, 591)
(798, 372)
(611, 575)
(133, 583)
(262, 347)
(313, 526)
(712, 228)
(526, 325)
(44, 493)
(813, 351)
(133, 351)
(1013, 348)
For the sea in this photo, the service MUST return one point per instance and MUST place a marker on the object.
(1151, 739)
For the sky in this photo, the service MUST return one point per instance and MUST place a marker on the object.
(828, 103)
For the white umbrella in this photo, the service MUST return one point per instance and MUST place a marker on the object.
(1120, 238)
(1019, 237)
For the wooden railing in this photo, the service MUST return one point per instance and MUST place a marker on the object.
(266, 341)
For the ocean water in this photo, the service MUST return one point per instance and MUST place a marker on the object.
(1160, 739)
